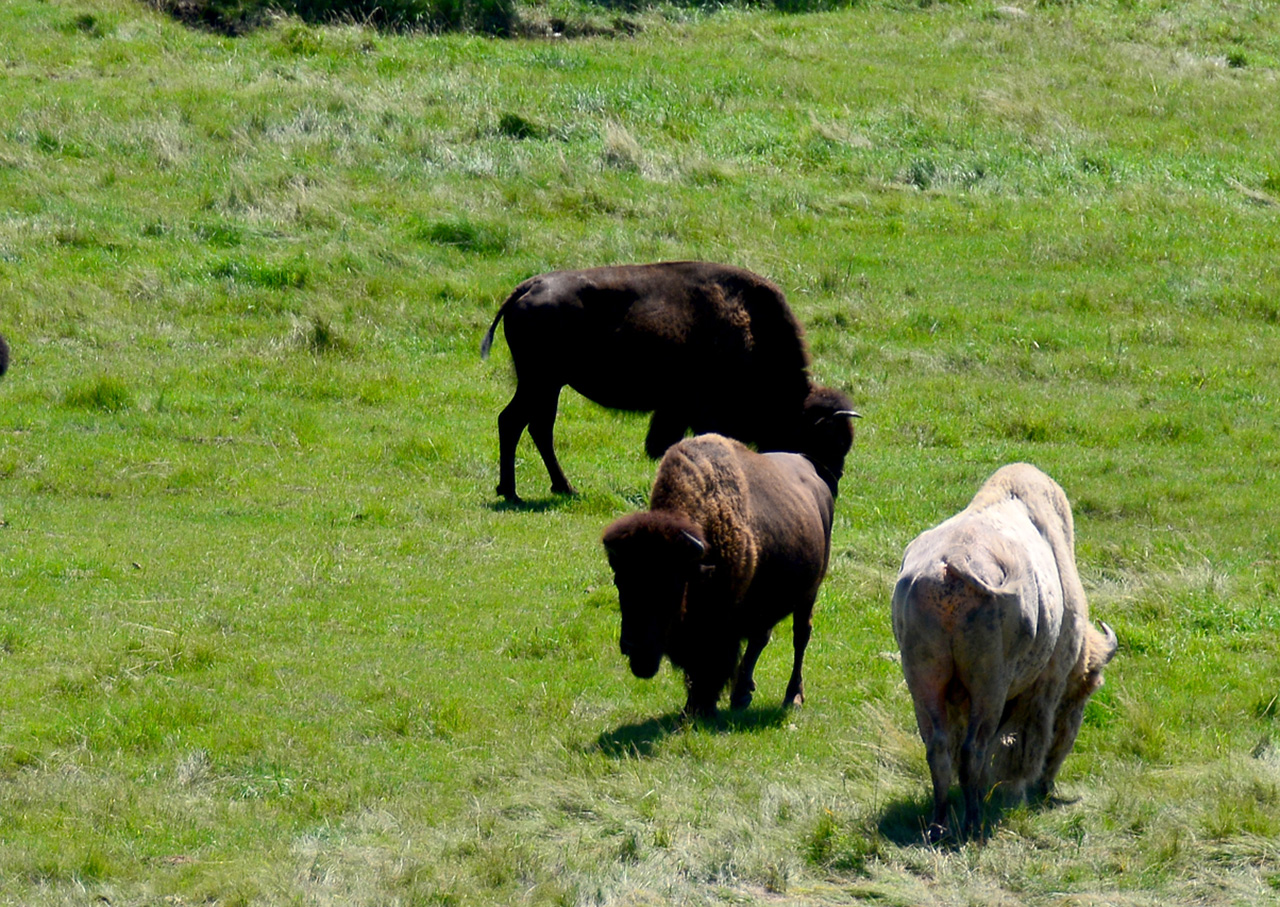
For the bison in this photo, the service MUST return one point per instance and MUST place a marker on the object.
(702, 346)
(4, 356)
(733, 541)
(997, 647)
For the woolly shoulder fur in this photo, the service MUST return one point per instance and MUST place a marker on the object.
(703, 478)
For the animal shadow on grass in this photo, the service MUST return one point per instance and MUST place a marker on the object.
(640, 739)
(906, 822)
(541, 505)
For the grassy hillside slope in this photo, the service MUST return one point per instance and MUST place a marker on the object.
(268, 637)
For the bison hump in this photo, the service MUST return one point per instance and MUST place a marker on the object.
(704, 478)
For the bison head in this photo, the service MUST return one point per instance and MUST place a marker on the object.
(826, 431)
(654, 555)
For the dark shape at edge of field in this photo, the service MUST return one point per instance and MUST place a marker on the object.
(238, 17)
(499, 18)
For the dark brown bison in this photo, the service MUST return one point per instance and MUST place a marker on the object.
(702, 346)
(733, 541)
(4, 355)
(997, 648)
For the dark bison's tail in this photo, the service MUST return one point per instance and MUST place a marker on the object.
(4, 355)
(487, 342)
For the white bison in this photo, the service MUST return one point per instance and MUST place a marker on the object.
(997, 648)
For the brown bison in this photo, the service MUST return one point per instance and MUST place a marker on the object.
(733, 541)
(4, 355)
(702, 346)
(997, 647)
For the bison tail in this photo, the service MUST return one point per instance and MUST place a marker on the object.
(487, 342)
(987, 578)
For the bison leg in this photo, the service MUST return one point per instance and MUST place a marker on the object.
(665, 429)
(701, 701)
(1066, 727)
(801, 630)
(745, 684)
(705, 681)
(541, 414)
(930, 703)
(1083, 682)
(511, 424)
(986, 705)
(535, 409)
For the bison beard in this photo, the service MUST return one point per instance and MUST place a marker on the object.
(733, 542)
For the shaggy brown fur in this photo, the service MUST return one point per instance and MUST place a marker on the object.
(702, 346)
(997, 648)
(732, 543)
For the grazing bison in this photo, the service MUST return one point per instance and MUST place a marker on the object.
(703, 346)
(4, 355)
(997, 647)
(733, 541)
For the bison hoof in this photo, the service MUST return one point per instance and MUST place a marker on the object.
(937, 832)
(566, 488)
(699, 712)
(508, 492)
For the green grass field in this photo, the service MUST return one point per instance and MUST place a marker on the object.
(267, 636)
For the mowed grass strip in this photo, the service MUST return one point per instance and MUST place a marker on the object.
(268, 636)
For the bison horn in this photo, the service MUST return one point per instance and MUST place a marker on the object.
(850, 413)
(1112, 642)
(697, 542)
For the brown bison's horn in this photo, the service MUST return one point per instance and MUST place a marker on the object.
(840, 412)
(697, 542)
